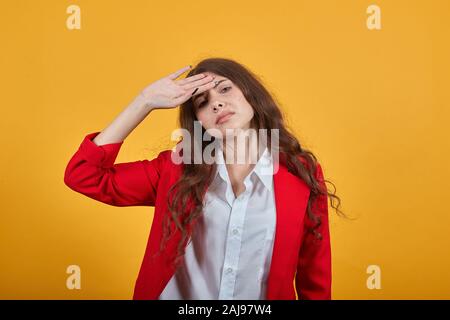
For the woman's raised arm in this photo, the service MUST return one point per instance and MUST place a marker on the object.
(92, 170)
(164, 93)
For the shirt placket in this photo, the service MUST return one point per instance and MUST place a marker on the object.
(234, 242)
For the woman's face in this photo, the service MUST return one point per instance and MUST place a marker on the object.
(223, 107)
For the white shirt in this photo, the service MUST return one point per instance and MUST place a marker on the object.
(231, 249)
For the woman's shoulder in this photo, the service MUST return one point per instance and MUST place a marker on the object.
(167, 159)
(164, 157)
(312, 162)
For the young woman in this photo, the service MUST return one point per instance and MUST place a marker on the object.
(222, 229)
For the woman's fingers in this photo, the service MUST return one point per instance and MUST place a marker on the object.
(198, 82)
(200, 89)
(190, 79)
(178, 73)
(194, 91)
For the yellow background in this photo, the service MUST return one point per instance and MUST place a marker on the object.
(373, 105)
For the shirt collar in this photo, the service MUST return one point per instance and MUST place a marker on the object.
(263, 168)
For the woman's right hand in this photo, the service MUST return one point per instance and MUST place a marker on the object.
(168, 93)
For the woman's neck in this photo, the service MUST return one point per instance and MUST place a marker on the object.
(241, 149)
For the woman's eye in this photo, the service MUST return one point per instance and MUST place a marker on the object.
(204, 101)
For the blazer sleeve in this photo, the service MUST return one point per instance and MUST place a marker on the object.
(313, 277)
(91, 171)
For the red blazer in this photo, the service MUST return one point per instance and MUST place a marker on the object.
(297, 257)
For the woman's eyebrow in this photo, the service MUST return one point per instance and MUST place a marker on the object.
(217, 83)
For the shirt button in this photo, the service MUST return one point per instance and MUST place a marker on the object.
(229, 270)
(235, 231)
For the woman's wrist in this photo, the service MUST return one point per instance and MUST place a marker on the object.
(141, 103)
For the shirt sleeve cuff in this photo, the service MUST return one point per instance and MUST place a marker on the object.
(102, 156)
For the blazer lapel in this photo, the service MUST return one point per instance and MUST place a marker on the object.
(291, 197)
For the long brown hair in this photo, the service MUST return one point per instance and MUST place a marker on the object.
(195, 178)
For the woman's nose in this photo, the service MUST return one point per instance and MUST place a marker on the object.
(217, 106)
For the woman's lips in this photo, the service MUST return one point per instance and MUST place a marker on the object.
(225, 118)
